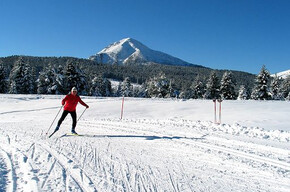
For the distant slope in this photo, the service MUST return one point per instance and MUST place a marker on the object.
(131, 51)
(282, 74)
(182, 76)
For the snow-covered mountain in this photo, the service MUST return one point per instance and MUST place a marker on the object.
(282, 74)
(129, 50)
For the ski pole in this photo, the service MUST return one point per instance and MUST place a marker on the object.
(82, 114)
(54, 120)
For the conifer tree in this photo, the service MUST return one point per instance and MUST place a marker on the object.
(59, 83)
(96, 87)
(243, 93)
(285, 89)
(197, 88)
(171, 92)
(41, 83)
(46, 81)
(3, 83)
(34, 79)
(140, 91)
(74, 77)
(127, 88)
(158, 86)
(107, 87)
(261, 90)
(21, 81)
(29, 83)
(182, 95)
(213, 87)
(101, 87)
(136, 91)
(227, 89)
(276, 88)
(118, 90)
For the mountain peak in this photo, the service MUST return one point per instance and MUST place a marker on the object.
(283, 74)
(129, 50)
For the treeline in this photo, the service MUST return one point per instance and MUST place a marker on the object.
(56, 75)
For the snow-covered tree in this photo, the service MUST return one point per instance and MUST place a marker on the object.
(171, 91)
(127, 88)
(243, 93)
(58, 86)
(182, 95)
(185, 94)
(96, 86)
(288, 97)
(107, 87)
(140, 91)
(74, 77)
(158, 86)
(46, 80)
(227, 89)
(261, 90)
(276, 88)
(197, 88)
(3, 83)
(117, 91)
(213, 87)
(285, 89)
(144, 91)
(29, 82)
(41, 83)
(101, 87)
(21, 80)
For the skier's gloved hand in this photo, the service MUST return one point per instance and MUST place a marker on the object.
(87, 106)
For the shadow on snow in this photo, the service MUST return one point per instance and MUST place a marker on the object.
(146, 137)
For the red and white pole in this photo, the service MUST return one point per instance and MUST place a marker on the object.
(122, 109)
(220, 111)
(214, 110)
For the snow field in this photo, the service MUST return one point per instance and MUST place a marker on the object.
(161, 145)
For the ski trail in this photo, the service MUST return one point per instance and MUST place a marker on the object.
(10, 181)
(135, 129)
(74, 172)
(48, 174)
(275, 163)
(22, 171)
(28, 110)
(252, 152)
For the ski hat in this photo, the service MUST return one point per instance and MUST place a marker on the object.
(74, 89)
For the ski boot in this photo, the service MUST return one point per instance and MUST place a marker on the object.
(73, 132)
(56, 129)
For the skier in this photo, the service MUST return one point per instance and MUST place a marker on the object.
(70, 102)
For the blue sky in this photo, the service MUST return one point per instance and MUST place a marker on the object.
(221, 34)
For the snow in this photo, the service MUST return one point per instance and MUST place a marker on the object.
(115, 83)
(160, 145)
(282, 74)
(129, 49)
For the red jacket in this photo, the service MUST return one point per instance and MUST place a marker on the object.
(70, 102)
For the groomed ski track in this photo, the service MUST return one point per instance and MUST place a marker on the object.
(139, 155)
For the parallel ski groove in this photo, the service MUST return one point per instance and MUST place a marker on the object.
(283, 165)
(11, 184)
(73, 173)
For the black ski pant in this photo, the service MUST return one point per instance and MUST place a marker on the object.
(73, 115)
